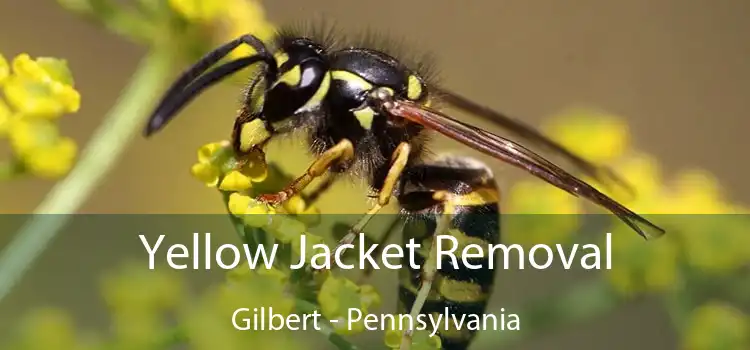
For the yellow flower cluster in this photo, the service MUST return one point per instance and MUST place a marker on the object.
(232, 18)
(216, 162)
(139, 299)
(261, 288)
(217, 167)
(36, 93)
(337, 295)
(421, 339)
(716, 325)
(50, 329)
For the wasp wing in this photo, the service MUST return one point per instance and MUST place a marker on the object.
(517, 155)
(528, 133)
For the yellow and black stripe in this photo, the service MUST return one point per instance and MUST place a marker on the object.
(464, 189)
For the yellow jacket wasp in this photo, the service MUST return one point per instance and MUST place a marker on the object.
(366, 113)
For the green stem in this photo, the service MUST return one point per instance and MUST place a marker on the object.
(96, 161)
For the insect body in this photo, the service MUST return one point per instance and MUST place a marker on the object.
(367, 114)
(454, 196)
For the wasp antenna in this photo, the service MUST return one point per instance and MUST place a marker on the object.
(169, 108)
(186, 87)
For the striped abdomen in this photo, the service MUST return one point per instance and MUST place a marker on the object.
(464, 189)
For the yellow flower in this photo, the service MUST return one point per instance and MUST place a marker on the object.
(717, 326)
(639, 266)
(4, 69)
(337, 295)
(41, 88)
(714, 243)
(245, 17)
(50, 329)
(41, 148)
(254, 166)
(206, 319)
(540, 213)
(421, 339)
(642, 171)
(697, 192)
(216, 161)
(536, 197)
(235, 181)
(37, 92)
(286, 228)
(310, 241)
(6, 115)
(135, 288)
(596, 136)
(201, 11)
(205, 173)
(252, 212)
(54, 161)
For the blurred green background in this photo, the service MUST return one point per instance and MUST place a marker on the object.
(676, 71)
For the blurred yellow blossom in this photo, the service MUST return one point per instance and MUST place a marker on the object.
(6, 116)
(540, 213)
(4, 69)
(48, 328)
(640, 267)
(37, 91)
(716, 325)
(53, 161)
(716, 243)
(230, 18)
(420, 340)
(215, 161)
(286, 228)
(207, 320)
(242, 17)
(199, 10)
(594, 135)
(134, 287)
(338, 294)
(39, 145)
(644, 173)
(41, 88)
(310, 241)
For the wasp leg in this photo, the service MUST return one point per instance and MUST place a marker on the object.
(398, 163)
(388, 233)
(340, 153)
(314, 195)
(429, 270)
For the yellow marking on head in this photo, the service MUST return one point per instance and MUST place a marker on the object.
(252, 134)
(479, 197)
(291, 77)
(414, 88)
(351, 78)
(281, 58)
(460, 291)
(320, 94)
(365, 117)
